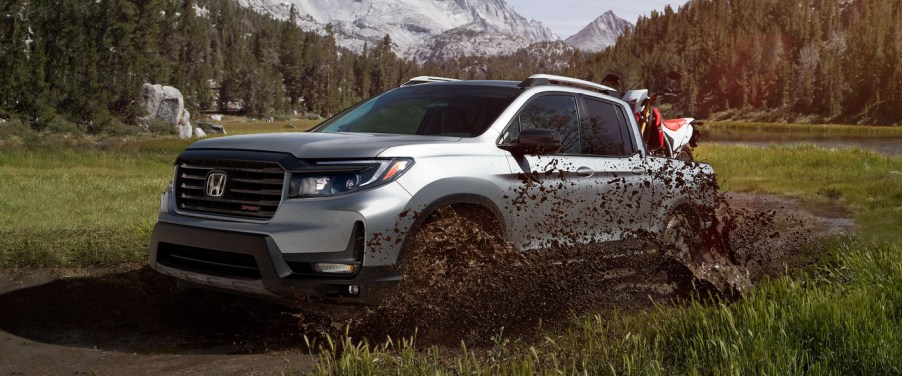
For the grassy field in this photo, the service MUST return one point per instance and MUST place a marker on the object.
(823, 129)
(94, 206)
(89, 202)
(867, 183)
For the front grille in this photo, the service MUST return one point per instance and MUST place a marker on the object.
(253, 189)
(208, 261)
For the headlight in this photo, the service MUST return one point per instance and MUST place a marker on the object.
(340, 177)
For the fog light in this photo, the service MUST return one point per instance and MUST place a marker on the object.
(353, 290)
(335, 268)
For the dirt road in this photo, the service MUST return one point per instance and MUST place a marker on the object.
(134, 321)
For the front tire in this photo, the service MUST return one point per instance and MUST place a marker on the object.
(681, 238)
(456, 273)
(448, 242)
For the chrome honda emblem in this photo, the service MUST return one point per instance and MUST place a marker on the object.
(216, 183)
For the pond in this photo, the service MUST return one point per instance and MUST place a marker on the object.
(883, 144)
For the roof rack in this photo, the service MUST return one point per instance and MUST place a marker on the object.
(549, 79)
(426, 79)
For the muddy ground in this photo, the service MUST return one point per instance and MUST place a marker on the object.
(134, 321)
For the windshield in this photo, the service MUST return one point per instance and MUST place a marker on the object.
(446, 110)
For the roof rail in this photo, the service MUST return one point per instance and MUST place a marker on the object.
(549, 79)
(426, 79)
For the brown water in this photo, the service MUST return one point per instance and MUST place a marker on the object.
(885, 145)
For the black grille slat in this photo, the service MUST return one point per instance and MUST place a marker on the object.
(259, 181)
(259, 214)
(192, 187)
(231, 201)
(208, 261)
(265, 192)
(253, 188)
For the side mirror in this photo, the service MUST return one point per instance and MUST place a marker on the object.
(535, 141)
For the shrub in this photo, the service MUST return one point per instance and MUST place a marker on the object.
(159, 127)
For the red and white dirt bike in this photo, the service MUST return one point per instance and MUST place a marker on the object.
(672, 138)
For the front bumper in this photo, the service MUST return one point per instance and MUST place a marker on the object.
(254, 264)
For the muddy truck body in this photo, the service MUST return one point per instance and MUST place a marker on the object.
(326, 214)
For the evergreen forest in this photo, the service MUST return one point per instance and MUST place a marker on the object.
(815, 60)
(72, 65)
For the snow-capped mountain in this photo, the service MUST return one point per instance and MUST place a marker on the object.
(459, 42)
(601, 33)
(416, 26)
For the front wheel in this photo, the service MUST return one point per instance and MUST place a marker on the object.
(453, 240)
(681, 239)
(458, 274)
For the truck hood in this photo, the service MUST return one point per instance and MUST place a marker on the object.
(315, 145)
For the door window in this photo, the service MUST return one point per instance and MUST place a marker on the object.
(555, 112)
(602, 132)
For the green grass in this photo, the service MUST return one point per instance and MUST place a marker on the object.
(88, 202)
(867, 183)
(823, 129)
(244, 127)
(70, 207)
(841, 318)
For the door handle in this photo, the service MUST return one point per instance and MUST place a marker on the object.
(585, 172)
(637, 171)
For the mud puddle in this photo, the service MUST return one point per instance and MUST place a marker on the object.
(137, 321)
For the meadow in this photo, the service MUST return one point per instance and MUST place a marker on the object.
(93, 204)
(85, 202)
(810, 129)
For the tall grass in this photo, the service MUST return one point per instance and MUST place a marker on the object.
(74, 201)
(68, 207)
(825, 129)
(867, 183)
(843, 317)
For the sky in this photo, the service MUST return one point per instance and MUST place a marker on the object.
(567, 17)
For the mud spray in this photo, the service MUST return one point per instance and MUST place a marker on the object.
(462, 282)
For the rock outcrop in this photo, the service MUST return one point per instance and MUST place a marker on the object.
(163, 102)
(167, 104)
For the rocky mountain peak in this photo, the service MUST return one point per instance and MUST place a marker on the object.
(415, 26)
(600, 33)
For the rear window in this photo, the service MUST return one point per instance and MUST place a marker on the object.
(446, 110)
